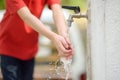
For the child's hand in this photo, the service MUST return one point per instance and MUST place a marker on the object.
(63, 46)
(66, 37)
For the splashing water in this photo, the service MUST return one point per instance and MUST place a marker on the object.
(67, 66)
(62, 68)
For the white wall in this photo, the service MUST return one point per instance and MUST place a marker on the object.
(103, 39)
(112, 29)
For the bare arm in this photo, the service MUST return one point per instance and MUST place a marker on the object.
(37, 25)
(59, 19)
(60, 22)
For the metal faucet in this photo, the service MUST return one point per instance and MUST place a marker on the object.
(76, 15)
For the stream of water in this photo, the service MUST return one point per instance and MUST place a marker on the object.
(67, 66)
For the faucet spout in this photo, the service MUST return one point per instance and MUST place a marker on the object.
(79, 15)
(70, 19)
(76, 15)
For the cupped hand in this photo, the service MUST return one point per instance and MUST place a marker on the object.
(63, 46)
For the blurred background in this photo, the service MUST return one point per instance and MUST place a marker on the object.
(47, 59)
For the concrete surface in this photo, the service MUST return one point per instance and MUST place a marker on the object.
(104, 39)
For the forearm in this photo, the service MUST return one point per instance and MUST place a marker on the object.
(59, 19)
(35, 23)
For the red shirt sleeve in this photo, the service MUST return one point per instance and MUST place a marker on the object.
(51, 2)
(13, 5)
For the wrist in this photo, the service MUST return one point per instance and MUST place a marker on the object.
(53, 36)
(63, 33)
(62, 30)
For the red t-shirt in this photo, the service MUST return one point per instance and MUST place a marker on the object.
(17, 39)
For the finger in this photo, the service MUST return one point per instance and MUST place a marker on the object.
(68, 40)
(65, 35)
(65, 54)
(62, 49)
(65, 44)
(72, 50)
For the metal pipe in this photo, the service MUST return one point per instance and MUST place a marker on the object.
(71, 16)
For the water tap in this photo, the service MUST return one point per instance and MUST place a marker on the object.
(76, 15)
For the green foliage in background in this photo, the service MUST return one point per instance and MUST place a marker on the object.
(81, 3)
(2, 4)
